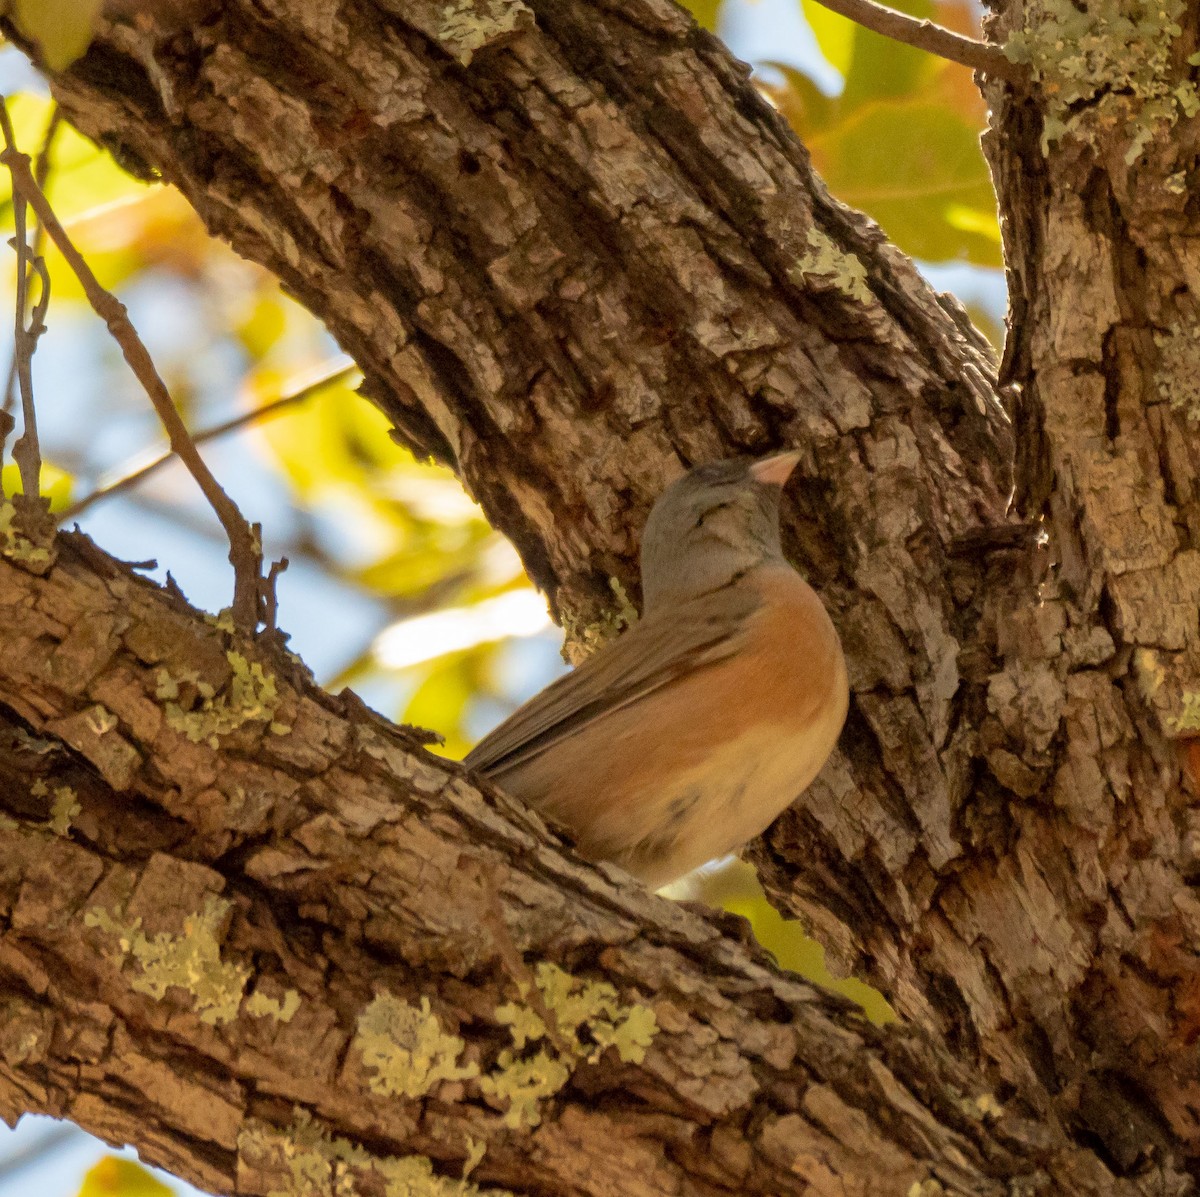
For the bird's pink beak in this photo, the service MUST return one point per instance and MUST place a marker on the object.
(776, 469)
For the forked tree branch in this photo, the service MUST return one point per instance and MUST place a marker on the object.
(245, 547)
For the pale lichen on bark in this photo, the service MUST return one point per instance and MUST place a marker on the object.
(1178, 374)
(190, 960)
(825, 264)
(468, 26)
(264, 1005)
(1105, 66)
(64, 806)
(249, 696)
(588, 1017)
(313, 1162)
(14, 544)
(405, 1049)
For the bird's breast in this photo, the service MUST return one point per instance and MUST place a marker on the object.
(705, 763)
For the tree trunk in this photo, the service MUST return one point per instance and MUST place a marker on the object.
(570, 246)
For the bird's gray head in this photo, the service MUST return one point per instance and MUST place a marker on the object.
(714, 523)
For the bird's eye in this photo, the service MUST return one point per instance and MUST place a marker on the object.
(712, 511)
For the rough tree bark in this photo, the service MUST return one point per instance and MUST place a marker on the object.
(570, 246)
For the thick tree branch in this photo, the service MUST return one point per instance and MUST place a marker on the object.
(252, 928)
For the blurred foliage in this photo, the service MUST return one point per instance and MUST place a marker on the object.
(114, 1177)
(54, 484)
(443, 697)
(733, 885)
(83, 178)
(61, 28)
(705, 12)
(901, 140)
(402, 530)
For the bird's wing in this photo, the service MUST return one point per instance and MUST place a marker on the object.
(657, 649)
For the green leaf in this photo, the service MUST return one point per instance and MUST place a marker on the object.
(807, 108)
(442, 699)
(735, 887)
(834, 34)
(874, 66)
(705, 12)
(262, 324)
(915, 166)
(113, 1177)
(62, 28)
(880, 67)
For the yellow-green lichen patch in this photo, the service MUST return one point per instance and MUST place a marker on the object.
(262, 1005)
(406, 1048)
(314, 1163)
(1188, 719)
(825, 265)
(589, 1014)
(63, 807)
(190, 961)
(15, 545)
(1105, 67)
(581, 638)
(467, 26)
(521, 1082)
(1177, 375)
(250, 696)
(100, 719)
(589, 1017)
(1149, 672)
(475, 1153)
(25, 1031)
(223, 621)
(626, 614)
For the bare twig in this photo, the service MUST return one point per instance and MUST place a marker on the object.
(41, 172)
(245, 549)
(270, 596)
(925, 35)
(268, 410)
(26, 452)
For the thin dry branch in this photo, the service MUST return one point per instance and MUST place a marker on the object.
(26, 452)
(933, 38)
(41, 172)
(269, 410)
(245, 549)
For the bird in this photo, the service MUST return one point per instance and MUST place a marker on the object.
(683, 739)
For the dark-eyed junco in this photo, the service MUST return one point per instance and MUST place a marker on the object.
(686, 736)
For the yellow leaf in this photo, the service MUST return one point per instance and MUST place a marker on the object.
(62, 28)
(55, 484)
(735, 887)
(113, 1177)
